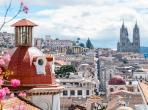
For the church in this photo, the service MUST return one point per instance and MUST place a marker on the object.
(125, 45)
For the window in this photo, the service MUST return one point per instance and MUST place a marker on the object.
(64, 83)
(84, 84)
(130, 83)
(72, 92)
(64, 93)
(76, 84)
(131, 89)
(79, 92)
(87, 92)
(111, 90)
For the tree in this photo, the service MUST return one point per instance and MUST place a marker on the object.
(89, 44)
(22, 8)
(5, 92)
(82, 45)
(65, 71)
(5, 83)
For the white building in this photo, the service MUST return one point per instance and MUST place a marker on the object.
(140, 74)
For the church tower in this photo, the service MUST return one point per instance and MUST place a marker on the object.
(123, 39)
(125, 45)
(136, 39)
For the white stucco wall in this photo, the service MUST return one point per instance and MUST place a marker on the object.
(47, 102)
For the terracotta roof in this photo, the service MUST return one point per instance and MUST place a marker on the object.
(24, 22)
(121, 92)
(144, 88)
(14, 103)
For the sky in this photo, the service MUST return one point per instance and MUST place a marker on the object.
(99, 20)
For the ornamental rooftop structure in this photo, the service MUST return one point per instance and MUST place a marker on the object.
(28, 63)
(33, 69)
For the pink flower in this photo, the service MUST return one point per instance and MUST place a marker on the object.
(22, 2)
(6, 57)
(15, 83)
(1, 70)
(7, 91)
(25, 9)
(22, 107)
(22, 94)
(2, 94)
(1, 82)
(2, 62)
(12, 95)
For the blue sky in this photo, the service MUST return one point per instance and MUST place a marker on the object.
(100, 20)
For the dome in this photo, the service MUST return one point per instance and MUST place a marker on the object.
(22, 64)
(117, 80)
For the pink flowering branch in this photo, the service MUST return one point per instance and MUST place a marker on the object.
(4, 84)
(22, 8)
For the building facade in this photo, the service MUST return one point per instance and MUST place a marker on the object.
(125, 45)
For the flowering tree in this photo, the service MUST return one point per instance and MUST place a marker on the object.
(4, 82)
(22, 8)
(4, 60)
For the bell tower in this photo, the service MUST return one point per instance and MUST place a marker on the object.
(23, 32)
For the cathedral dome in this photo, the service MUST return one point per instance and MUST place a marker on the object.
(117, 80)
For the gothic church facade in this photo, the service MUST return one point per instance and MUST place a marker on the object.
(125, 45)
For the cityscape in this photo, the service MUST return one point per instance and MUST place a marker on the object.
(67, 66)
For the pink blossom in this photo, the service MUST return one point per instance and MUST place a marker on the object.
(25, 9)
(22, 107)
(1, 70)
(7, 91)
(6, 57)
(2, 94)
(22, 94)
(22, 2)
(15, 83)
(12, 95)
(2, 62)
(1, 82)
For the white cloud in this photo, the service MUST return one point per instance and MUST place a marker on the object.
(98, 19)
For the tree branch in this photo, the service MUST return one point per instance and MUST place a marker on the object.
(6, 13)
(19, 11)
(5, 16)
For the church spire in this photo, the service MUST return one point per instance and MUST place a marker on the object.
(136, 25)
(123, 24)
